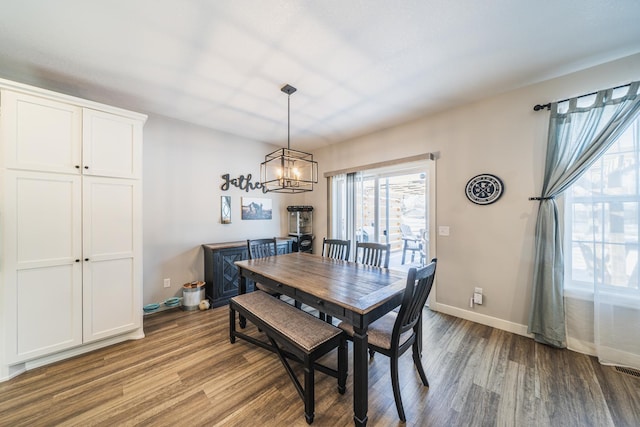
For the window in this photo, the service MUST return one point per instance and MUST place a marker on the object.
(602, 218)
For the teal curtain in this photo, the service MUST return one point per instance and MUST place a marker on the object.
(577, 137)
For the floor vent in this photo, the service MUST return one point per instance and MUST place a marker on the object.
(628, 371)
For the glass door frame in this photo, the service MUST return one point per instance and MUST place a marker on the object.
(345, 228)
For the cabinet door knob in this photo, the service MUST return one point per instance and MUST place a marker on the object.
(77, 166)
(86, 167)
(77, 260)
(86, 259)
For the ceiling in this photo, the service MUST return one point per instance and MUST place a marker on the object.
(359, 65)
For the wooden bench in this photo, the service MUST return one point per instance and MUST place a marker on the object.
(293, 334)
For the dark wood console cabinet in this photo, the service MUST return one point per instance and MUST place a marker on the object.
(220, 272)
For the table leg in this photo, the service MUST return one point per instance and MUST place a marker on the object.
(242, 289)
(360, 376)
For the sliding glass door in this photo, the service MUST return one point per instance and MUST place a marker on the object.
(375, 205)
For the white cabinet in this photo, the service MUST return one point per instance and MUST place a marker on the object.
(70, 217)
(112, 145)
(53, 145)
(68, 139)
(42, 269)
(112, 267)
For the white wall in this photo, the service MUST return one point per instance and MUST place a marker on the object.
(489, 246)
(183, 165)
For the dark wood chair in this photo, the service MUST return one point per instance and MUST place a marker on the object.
(395, 333)
(374, 254)
(261, 248)
(410, 242)
(336, 249)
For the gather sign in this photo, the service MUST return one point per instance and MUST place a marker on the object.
(242, 182)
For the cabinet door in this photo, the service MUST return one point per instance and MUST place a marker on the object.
(112, 145)
(40, 134)
(43, 272)
(227, 277)
(112, 273)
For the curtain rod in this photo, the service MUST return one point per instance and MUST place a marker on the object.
(539, 107)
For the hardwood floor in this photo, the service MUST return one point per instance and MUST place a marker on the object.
(186, 373)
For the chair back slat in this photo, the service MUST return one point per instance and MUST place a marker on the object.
(374, 254)
(336, 249)
(419, 284)
(406, 231)
(260, 248)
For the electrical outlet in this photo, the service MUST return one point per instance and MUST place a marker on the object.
(477, 290)
(477, 298)
(167, 283)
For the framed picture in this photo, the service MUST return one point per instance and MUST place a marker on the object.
(256, 208)
(225, 209)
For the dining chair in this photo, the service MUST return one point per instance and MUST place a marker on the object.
(336, 249)
(394, 333)
(374, 254)
(410, 242)
(261, 248)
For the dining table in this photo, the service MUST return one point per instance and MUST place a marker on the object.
(353, 292)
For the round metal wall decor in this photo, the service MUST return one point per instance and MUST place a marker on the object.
(484, 189)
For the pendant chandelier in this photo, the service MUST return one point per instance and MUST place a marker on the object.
(286, 170)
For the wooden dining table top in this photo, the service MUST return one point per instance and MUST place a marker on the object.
(355, 287)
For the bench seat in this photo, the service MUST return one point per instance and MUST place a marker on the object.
(293, 334)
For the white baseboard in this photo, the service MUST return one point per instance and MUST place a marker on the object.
(573, 344)
(85, 348)
(482, 319)
(8, 372)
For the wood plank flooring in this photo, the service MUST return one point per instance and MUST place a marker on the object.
(186, 373)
